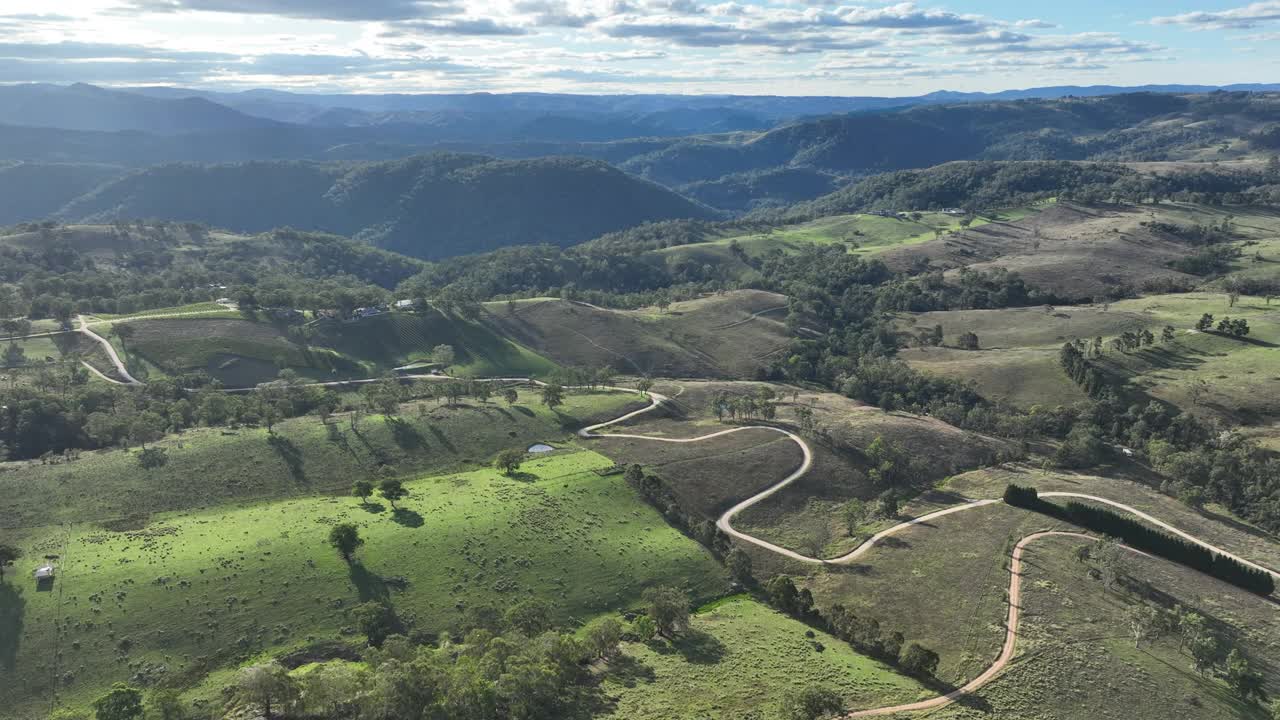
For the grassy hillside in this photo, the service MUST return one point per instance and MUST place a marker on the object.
(1078, 660)
(1018, 356)
(302, 457)
(242, 352)
(191, 593)
(741, 660)
(727, 335)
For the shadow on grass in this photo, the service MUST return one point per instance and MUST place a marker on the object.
(405, 434)
(407, 518)
(629, 671)
(524, 410)
(369, 586)
(12, 611)
(521, 476)
(373, 507)
(290, 454)
(695, 646)
(440, 437)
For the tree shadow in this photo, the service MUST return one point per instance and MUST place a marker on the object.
(12, 611)
(697, 647)
(407, 517)
(374, 508)
(523, 410)
(290, 454)
(629, 671)
(369, 586)
(521, 476)
(405, 434)
(440, 437)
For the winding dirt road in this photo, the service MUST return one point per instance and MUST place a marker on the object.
(724, 522)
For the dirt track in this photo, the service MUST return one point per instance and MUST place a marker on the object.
(724, 522)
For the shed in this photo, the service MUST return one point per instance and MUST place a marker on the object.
(44, 572)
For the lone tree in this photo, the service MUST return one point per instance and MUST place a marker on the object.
(968, 341)
(392, 490)
(552, 395)
(668, 608)
(810, 703)
(8, 555)
(739, 564)
(345, 538)
(362, 489)
(510, 396)
(444, 355)
(121, 703)
(644, 385)
(919, 661)
(508, 461)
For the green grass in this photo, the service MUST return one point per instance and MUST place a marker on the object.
(212, 309)
(1076, 660)
(1018, 359)
(195, 592)
(209, 467)
(399, 338)
(739, 660)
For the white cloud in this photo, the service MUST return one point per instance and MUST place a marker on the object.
(1241, 18)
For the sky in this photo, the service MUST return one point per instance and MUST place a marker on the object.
(767, 47)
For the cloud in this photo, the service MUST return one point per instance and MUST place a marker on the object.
(1089, 42)
(104, 51)
(1241, 18)
(350, 10)
(454, 26)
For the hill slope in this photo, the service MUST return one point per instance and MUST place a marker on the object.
(427, 206)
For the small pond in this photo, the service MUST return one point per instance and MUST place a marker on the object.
(540, 448)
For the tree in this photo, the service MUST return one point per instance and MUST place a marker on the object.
(644, 385)
(968, 341)
(362, 489)
(14, 355)
(165, 704)
(552, 395)
(669, 609)
(1144, 623)
(855, 513)
(267, 686)
(1205, 650)
(1205, 322)
(1241, 678)
(121, 703)
(345, 538)
(444, 355)
(531, 617)
(8, 555)
(919, 661)
(376, 621)
(739, 563)
(146, 427)
(644, 628)
(392, 490)
(325, 404)
(510, 396)
(508, 461)
(602, 637)
(810, 703)
(1167, 334)
(1110, 558)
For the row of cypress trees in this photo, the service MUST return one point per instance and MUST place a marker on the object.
(1141, 537)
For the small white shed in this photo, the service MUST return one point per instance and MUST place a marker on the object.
(44, 572)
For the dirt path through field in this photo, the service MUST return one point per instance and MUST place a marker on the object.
(724, 522)
(111, 353)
